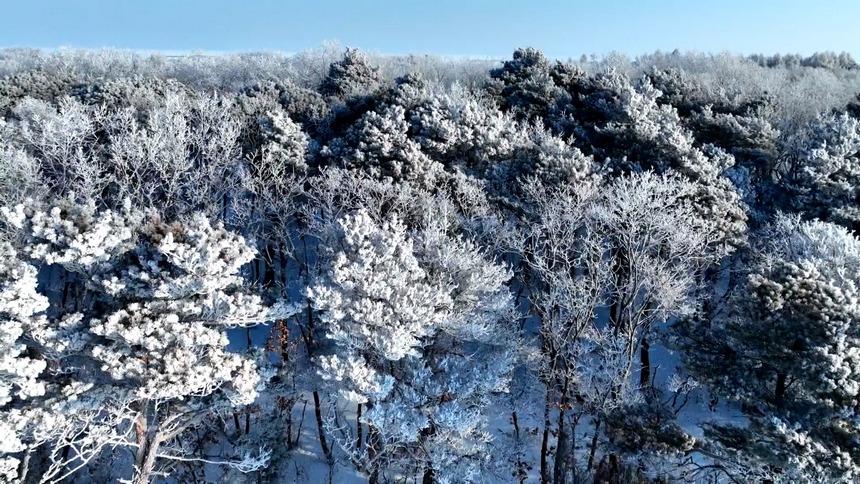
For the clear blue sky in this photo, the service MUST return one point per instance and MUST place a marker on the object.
(561, 28)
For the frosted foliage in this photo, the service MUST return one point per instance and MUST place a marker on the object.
(526, 83)
(173, 341)
(61, 137)
(158, 150)
(398, 307)
(71, 234)
(557, 160)
(650, 221)
(9, 469)
(816, 275)
(172, 359)
(164, 295)
(836, 139)
(831, 247)
(20, 175)
(286, 147)
(649, 120)
(663, 143)
(20, 308)
(828, 178)
(478, 291)
(610, 264)
(378, 144)
(794, 330)
(353, 75)
(457, 128)
(179, 155)
(183, 260)
(378, 297)
(645, 220)
(358, 382)
(659, 129)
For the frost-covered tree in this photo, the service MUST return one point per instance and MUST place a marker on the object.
(418, 323)
(145, 355)
(753, 140)
(822, 170)
(609, 265)
(460, 130)
(378, 143)
(33, 83)
(787, 352)
(632, 132)
(139, 92)
(21, 175)
(456, 127)
(180, 159)
(351, 76)
(526, 84)
(63, 139)
(22, 312)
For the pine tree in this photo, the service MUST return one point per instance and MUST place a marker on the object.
(788, 351)
(21, 314)
(145, 352)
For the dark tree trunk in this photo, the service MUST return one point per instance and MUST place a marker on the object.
(521, 471)
(544, 446)
(779, 395)
(289, 411)
(561, 441)
(269, 271)
(374, 453)
(645, 357)
(65, 293)
(358, 428)
(593, 450)
(318, 414)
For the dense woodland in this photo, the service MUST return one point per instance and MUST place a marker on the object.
(342, 267)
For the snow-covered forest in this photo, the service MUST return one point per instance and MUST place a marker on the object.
(343, 267)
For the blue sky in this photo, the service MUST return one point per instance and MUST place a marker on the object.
(561, 28)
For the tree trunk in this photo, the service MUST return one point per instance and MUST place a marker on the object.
(147, 448)
(521, 471)
(560, 451)
(544, 446)
(616, 306)
(308, 332)
(593, 445)
(236, 422)
(779, 395)
(318, 414)
(65, 292)
(561, 441)
(373, 453)
(572, 466)
(645, 358)
(269, 267)
(358, 428)
(24, 466)
(288, 409)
